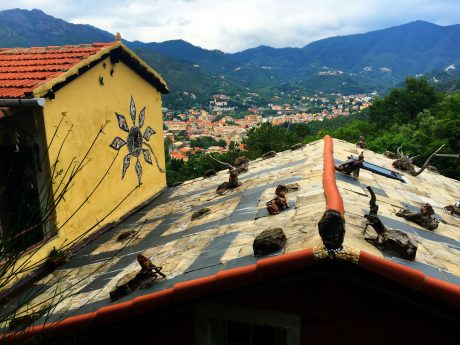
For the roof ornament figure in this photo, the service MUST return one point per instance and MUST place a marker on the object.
(423, 217)
(361, 142)
(242, 164)
(233, 181)
(148, 269)
(453, 209)
(392, 240)
(405, 162)
(275, 205)
(352, 165)
(144, 278)
(118, 37)
(332, 231)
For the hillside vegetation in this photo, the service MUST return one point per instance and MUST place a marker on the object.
(415, 117)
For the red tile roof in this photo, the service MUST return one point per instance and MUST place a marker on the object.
(23, 71)
(178, 155)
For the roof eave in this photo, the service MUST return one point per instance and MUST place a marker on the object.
(150, 74)
(241, 277)
(163, 87)
(264, 270)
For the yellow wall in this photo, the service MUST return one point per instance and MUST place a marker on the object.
(87, 106)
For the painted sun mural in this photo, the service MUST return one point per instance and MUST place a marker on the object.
(136, 141)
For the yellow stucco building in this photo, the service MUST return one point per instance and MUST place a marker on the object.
(80, 144)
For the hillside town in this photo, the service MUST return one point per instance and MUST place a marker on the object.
(222, 122)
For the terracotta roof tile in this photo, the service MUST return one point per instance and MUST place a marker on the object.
(23, 69)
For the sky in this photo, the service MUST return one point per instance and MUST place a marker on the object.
(235, 25)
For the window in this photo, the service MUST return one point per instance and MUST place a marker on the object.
(220, 325)
(239, 333)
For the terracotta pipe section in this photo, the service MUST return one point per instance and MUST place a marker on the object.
(333, 198)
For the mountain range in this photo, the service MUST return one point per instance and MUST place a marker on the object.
(356, 63)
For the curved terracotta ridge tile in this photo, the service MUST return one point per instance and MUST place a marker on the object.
(411, 278)
(334, 200)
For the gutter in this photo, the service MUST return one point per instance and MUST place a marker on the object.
(22, 102)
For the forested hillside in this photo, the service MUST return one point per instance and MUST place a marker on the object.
(360, 63)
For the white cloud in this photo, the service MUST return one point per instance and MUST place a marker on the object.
(240, 24)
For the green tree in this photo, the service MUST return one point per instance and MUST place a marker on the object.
(182, 135)
(206, 142)
(269, 138)
(403, 105)
(167, 144)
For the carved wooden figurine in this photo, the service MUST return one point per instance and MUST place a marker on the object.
(372, 217)
(242, 164)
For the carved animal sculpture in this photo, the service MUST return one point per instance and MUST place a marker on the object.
(269, 154)
(297, 146)
(242, 164)
(390, 154)
(373, 218)
(209, 173)
(280, 192)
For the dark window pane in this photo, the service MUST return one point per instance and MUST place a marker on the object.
(263, 335)
(281, 336)
(239, 332)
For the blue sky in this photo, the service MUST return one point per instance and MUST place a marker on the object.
(234, 25)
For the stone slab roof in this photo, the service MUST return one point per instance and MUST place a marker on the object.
(438, 253)
(222, 240)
